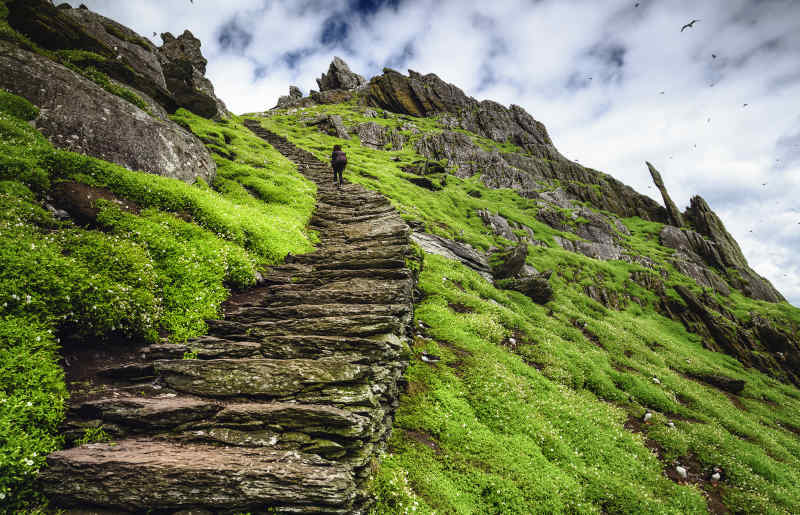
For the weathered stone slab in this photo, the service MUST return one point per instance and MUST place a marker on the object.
(78, 115)
(257, 376)
(141, 475)
(148, 412)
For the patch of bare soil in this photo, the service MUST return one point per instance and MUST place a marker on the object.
(424, 438)
(80, 201)
(460, 308)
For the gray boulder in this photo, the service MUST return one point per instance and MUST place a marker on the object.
(508, 263)
(339, 76)
(454, 250)
(331, 124)
(536, 287)
(76, 114)
(184, 71)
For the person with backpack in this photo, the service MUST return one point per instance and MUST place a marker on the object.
(338, 162)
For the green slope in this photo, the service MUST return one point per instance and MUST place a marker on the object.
(160, 270)
(532, 408)
(537, 408)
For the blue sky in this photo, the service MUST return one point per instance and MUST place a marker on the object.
(716, 108)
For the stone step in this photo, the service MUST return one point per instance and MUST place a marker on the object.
(321, 277)
(351, 252)
(309, 310)
(258, 377)
(206, 347)
(356, 325)
(145, 475)
(142, 412)
(368, 349)
(353, 291)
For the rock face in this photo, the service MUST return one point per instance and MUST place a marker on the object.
(184, 71)
(374, 135)
(78, 115)
(291, 99)
(674, 213)
(284, 406)
(708, 224)
(339, 76)
(776, 353)
(450, 249)
(173, 76)
(331, 124)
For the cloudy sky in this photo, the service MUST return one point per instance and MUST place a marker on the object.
(715, 107)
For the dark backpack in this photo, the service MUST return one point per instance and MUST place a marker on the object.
(339, 158)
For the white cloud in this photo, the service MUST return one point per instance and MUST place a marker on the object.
(540, 55)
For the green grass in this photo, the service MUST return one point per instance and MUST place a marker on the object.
(538, 426)
(159, 272)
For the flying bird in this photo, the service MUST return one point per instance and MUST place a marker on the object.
(689, 25)
(713, 56)
(637, 4)
(745, 105)
(661, 93)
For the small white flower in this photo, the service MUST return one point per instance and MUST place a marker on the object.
(29, 404)
(28, 462)
(2, 495)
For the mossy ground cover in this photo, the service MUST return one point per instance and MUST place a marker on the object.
(160, 271)
(538, 408)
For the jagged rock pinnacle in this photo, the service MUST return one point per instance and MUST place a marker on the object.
(339, 76)
(672, 210)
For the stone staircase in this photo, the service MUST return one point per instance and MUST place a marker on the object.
(286, 402)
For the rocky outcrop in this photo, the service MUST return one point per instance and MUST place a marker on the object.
(674, 213)
(508, 263)
(284, 406)
(746, 341)
(375, 135)
(184, 71)
(78, 115)
(173, 75)
(124, 55)
(291, 99)
(461, 252)
(339, 76)
(537, 287)
(331, 124)
(726, 254)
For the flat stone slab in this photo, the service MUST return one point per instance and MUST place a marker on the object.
(144, 475)
(158, 412)
(286, 416)
(257, 376)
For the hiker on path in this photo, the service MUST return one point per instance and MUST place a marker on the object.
(338, 162)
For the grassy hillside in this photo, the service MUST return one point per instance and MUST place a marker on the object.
(532, 409)
(159, 267)
(539, 408)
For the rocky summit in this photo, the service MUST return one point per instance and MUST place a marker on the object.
(195, 318)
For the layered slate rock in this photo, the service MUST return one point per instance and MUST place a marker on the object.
(173, 75)
(283, 406)
(78, 115)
